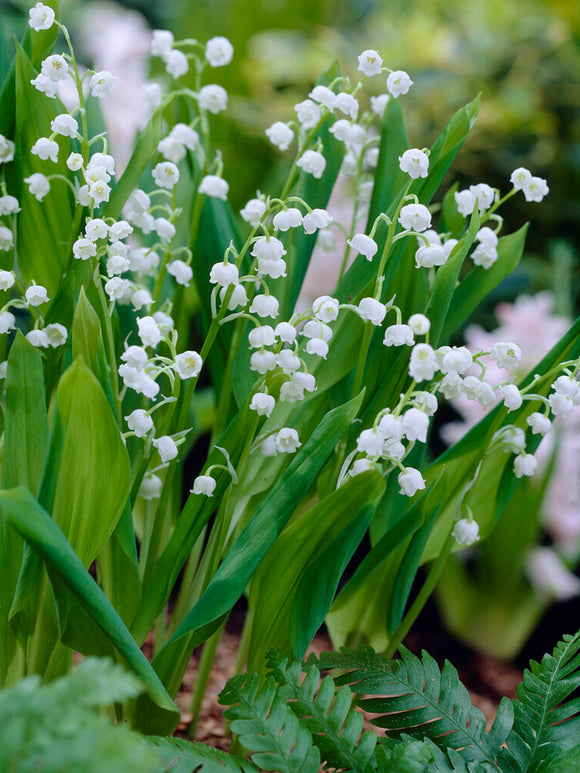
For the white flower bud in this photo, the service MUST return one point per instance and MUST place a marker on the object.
(214, 186)
(166, 448)
(38, 338)
(287, 218)
(151, 487)
(539, 423)
(415, 163)
(38, 185)
(166, 175)
(139, 422)
(36, 295)
(56, 334)
(181, 271)
(65, 125)
(313, 163)
(6, 238)
(224, 274)
(415, 425)
(525, 465)
(466, 532)
(7, 321)
(265, 306)
(102, 83)
(213, 98)
(325, 308)
(415, 217)
(371, 310)
(263, 335)
(253, 212)
(287, 440)
(188, 364)
(511, 396)
(308, 113)
(262, 361)
(370, 62)
(7, 280)
(419, 324)
(506, 355)
(364, 245)
(204, 485)
(262, 403)
(41, 17)
(398, 335)
(410, 481)
(218, 51)
(398, 83)
(280, 135)
(45, 149)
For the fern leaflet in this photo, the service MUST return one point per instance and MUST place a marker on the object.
(268, 727)
(328, 714)
(179, 756)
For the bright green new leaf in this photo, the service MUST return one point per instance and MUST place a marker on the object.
(22, 512)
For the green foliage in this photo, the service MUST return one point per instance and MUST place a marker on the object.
(180, 756)
(60, 728)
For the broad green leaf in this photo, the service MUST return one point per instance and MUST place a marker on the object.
(254, 541)
(478, 284)
(26, 433)
(282, 572)
(21, 511)
(36, 45)
(45, 228)
(92, 483)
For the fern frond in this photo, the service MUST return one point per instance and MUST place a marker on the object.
(419, 699)
(546, 724)
(267, 727)
(180, 756)
(328, 714)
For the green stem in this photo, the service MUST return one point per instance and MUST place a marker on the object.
(431, 580)
(203, 673)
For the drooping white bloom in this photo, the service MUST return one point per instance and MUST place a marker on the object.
(568, 386)
(166, 175)
(304, 381)
(423, 363)
(287, 218)
(149, 331)
(239, 297)
(318, 218)
(65, 125)
(324, 95)
(176, 63)
(188, 364)
(347, 104)
(135, 357)
(308, 113)
(391, 427)
(287, 440)
(525, 465)
(9, 205)
(398, 335)
(370, 442)
(364, 245)
(511, 396)
(317, 346)
(265, 306)
(520, 177)
(45, 85)
(285, 332)
(325, 308)
(164, 229)
(141, 298)
(161, 43)
(171, 149)
(288, 361)
(6, 238)
(346, 132)
(102, 83)
(253, 212)
(427, 402)
(36, 295)
(166, 448)
(45, 149)
(410, 481)
(262, 403)
(484, 194)
(379, 103)
(41, 17)
(550, 576)
(539, 423)
(415, 217)
(484, 256)
(7, 148)
(313, 163)
(262, 361)
(140, 422)
(181, 271)
(56, 334)
(96, 229)
(465, 201)
(370, 62)
(152, 96)
(480, 391)
(398, 83)
(7, 321)
(430, 256)
(456, 359)
(213, 98)
(7, 280)
(38, 338)
(419, 324)
(224, 274)
(535, 189)
(280, 135)
(83, 249)
(204, 485)
(506, 355)
(415, 163)
(560, 404)
(185, 135)
(415, 425)
(218, 51)
(316, 328)
(261, 335)
(55, 68)
(151, 486)
(99, 191)
(372, 310)
(466, 532)
(268, 248)
(99, 161)
(117, 264)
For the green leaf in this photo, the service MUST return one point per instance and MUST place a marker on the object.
(45, 228)
(283, 571)
(254, 541)
(545, 725)
(327, 712)
(180, 756)
(389, 179)
(21, 511)
(478, 284)
(267, 727)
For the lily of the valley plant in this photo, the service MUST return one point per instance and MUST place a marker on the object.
(142, 315)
